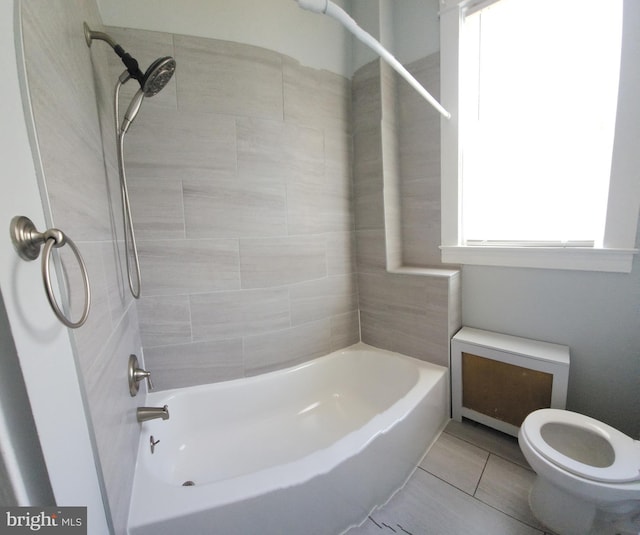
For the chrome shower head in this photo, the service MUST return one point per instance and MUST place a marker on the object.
(158, 75)
(153, 81)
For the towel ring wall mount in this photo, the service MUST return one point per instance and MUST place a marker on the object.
(28, 242)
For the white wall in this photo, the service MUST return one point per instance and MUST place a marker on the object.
(41, 342)
(416, 29)
(279, 25)
(410, 29)
(23, 475)
(596, 314)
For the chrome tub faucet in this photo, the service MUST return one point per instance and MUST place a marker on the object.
(150, 413)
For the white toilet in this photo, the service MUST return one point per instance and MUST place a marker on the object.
(588, 474)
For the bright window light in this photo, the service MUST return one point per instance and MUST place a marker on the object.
(539, 107)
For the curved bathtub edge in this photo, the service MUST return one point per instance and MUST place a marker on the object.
(359, 485)
(404, 483)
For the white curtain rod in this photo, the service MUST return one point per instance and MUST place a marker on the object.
(329, 8)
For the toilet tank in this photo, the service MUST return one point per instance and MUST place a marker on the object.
(498, 379)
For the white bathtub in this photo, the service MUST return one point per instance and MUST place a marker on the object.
(308, 450)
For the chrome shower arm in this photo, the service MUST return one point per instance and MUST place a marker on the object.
(90, 35)
(129, 61)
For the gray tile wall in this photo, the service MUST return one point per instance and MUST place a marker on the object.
(414, 314)
(241, 194)
(419, 163)
(70, 88)
(240, 178)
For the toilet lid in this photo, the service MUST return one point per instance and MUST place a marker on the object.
(625, 466)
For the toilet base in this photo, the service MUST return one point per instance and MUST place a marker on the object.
(566, 514)
(563, 513)
(615, 524)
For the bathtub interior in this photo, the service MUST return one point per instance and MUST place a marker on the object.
(375, 412)
(273, 419)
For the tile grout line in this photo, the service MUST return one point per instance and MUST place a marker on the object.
(504, 458)
(445, 481)
(476, 499)
(486, 462)
(510, 516)
(493, 507)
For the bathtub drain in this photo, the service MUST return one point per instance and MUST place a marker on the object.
(188, 483)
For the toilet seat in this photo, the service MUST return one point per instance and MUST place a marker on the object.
(625, 467)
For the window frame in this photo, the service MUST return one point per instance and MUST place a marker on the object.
(618, 249)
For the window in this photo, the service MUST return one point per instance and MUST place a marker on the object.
(528, 176)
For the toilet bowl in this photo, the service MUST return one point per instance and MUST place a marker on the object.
(588, 473)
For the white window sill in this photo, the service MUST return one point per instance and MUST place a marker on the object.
(575, 258)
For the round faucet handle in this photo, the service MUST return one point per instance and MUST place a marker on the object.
(136, 375)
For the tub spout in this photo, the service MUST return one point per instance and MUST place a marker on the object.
(149, 413)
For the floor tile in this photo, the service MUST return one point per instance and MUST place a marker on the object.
(505, 486)
(455, 461)
(429, 506)
(493, 441)
(467, 484)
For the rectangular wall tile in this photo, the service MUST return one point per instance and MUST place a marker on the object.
(221, 315)
(341, 252)
(345, 330)
(323, 298)
(455, 304)
(186, 142)
(419, 158)
(63, 100)
(164, 320)
(195, 363)
(156, 208)
(375, 329)
(117, 287)
(317, 208)
(313, 97)
(278, 261)
(271, 351)
(232, 208)
(113, 414)
(93, 335)
(231, 78)
(338, 158)
(279, 150)
(365, 99)
(170, 267)
(370, 251)
(368, 188)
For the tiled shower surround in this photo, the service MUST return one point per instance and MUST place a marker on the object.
(241, 188)
(241, 194)
(258, 197)
(409, 302)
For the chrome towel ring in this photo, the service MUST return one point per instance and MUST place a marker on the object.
(27, 242)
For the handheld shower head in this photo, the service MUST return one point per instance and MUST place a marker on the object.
(151, 82)
(155, 78)
(158, 75)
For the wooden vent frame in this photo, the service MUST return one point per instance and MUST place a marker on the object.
(498, 379)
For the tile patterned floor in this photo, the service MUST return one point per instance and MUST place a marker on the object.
(474, 480)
